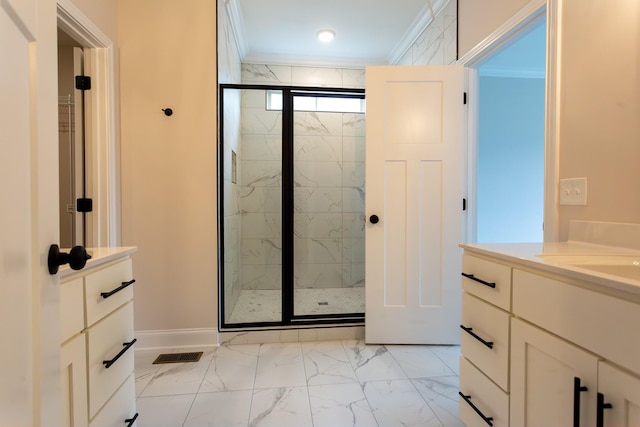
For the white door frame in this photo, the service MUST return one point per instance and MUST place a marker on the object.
(102, 172)
(534, 10)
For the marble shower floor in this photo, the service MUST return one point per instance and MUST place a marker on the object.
(308, 384)
(264, 305)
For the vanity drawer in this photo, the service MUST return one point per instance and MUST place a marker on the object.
(602, 324)
(487, 280)
(107, 280)
(121, 407)
(71, 309)
(487, 397)
(105, 340)
(485, 322)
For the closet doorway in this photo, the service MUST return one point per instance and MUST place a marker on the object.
(71, 142)
(291, 174)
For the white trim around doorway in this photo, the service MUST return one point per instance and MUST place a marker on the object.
(102, 176)
(534, 10)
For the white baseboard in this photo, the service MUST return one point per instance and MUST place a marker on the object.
(176, 338)
(208, 337)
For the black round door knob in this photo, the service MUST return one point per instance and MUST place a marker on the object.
(373, 219)
(76, 258)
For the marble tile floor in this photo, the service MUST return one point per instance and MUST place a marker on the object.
(308, 384)
(265, 305)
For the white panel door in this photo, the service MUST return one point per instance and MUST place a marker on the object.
(30, 385)
(414, 175)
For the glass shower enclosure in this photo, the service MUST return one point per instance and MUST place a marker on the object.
(291, 196)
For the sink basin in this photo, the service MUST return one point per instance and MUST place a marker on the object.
(627, 266)
(622, 270)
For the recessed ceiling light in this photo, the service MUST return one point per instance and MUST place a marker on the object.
(326, 35)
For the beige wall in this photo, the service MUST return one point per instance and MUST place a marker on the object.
(599, 124)
(600, 108)
(168, 59)
(478, 19)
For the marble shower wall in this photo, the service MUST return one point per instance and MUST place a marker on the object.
(290, 75)
(329, 200)
(329, 185)
(438, 42)
(260, 193)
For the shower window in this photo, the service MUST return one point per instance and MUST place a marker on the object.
(325, 102)
(292, 222)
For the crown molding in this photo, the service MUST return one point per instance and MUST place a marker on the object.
(417, 27)
(237, 26)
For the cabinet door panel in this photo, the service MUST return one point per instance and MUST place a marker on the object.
(543, 370)
(622, 391)
(73, 364)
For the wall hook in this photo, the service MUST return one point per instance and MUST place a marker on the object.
(167, 111)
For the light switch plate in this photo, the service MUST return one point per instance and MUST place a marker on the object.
(573, 192)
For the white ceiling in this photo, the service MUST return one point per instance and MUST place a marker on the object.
(368, 32)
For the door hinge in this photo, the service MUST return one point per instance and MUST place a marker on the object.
(464, 204)
(83, 82)
(84, 205)
(464, 98)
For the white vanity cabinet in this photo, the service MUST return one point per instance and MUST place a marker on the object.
(96, 306)
(573, 353)
(484, 363)
(573, 349)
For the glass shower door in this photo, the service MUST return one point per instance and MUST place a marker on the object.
(328, 200)
(252, 207)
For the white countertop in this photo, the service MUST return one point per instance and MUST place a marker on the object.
(572, 259)
(98, 256)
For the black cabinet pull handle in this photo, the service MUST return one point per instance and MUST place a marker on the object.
(127, 345)
(374, 219)
(600, 410)
(473, 334)
(132, 420)
(577, 389)
(106, 295)
(488, 420)
(475, 279)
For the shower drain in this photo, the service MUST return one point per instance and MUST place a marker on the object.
(178, 357)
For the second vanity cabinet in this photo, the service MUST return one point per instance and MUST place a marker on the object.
(572, 353)
(97, 341)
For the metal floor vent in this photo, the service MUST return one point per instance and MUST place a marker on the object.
(178, 357)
